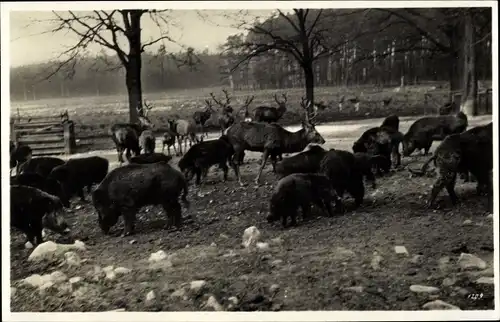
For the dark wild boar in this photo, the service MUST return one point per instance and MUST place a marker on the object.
(31, 210)
(301, 190)
(428, 129)
(342, 170)
(127, 189)
(41, 165)
(19, 154)
(303, 162)
(48, 185)
(469, 151)
(78, 173)
(151, 158)
(201, 156)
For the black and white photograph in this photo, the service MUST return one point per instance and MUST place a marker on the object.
(255, 160)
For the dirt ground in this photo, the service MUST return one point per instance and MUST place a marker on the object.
(323, 264)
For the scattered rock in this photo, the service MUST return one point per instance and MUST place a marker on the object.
(12, 291)
(417, 259)
(462, 291)
(75, 280)
(233, 301)
(158, 256)
(274, 288)
(122, 270)
(439, 305)
(357, 289)
(423, 289)
(213, 244)
(150, 297)
(133, 241)
(197, 286)
(449, 281)
(401, 250)
(28, 245)
(469, 261)
(109, 271)
(224, 236)
(230, 254)
(263, 246)
(376, 260)
(276, 262)
(180, 293)
(49, 249)
(72, 259)
(467, 222)
(344, 252)
(81, 292)
(485, 280)
(251, 236)
(212, 302)
(490, 216)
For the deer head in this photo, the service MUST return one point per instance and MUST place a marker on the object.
(144, 119)
(306, 104)
(226, 107)
(209, 105)
(281, 104)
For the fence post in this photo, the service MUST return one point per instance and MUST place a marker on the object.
(69, 137)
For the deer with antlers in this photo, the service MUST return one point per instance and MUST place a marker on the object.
(126, 135)
(201, 117)
(270, 114)
(225, 118)
(271, 139)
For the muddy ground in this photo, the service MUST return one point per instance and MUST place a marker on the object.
(323, 264)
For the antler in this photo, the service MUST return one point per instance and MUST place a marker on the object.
(148, 108)
(285, 98)
(228, 100)
(249, 100)
(305, 103)
(209, 104)
(215, 100)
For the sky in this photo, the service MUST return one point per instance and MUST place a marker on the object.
(29, 44)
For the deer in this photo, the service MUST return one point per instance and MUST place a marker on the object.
(270, 114)
(225, 118)
(184, 130)
(271, 139)
(201, 117)
(126, 135)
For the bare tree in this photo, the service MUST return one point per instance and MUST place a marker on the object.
(306, 35)
(113, 30)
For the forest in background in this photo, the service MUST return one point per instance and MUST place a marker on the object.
(384, 48)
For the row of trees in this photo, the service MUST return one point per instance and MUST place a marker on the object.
(305, 47)
(104, 76)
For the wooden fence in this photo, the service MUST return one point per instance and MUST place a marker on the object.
(46, 135)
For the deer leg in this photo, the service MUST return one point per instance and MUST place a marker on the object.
(233, 161)
(163, 147)
(273, 161)
(265, 155)
(179, 142)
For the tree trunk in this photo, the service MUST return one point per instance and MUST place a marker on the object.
(469, 94)
(453, 60)
(133, 68)
(309, 79)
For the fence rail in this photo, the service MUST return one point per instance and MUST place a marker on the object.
(46, 135)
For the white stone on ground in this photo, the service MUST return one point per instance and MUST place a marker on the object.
(439, 305)
(251, 236)
(150, 297)
(401, 250)
(49, 248)
(423, 289)
(485, 280)
(212, 302)
(469, 261)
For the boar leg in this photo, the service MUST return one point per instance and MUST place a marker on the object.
(129, 221)
(225, 169)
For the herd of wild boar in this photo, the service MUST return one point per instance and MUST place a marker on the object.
(44, 186)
